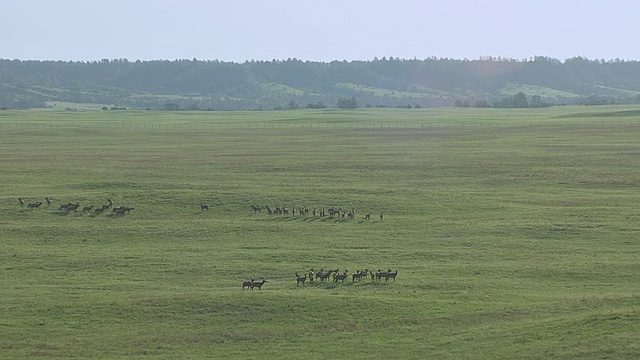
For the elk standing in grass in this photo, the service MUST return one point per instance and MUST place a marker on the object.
(21, 200)
(204, 207)
(257, 284)
(247, 284)
(34, 205)
(300, 279)
(340, 277)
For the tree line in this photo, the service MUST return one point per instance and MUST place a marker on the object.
(264, 85)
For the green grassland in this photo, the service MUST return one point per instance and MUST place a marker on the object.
(514, 233)
(511, 89)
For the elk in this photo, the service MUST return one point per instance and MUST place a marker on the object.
(34, 205)
(21, 200)
(300, 279)
(391, 275)
(256, 209)
(247, 284)
(69, 207)
(110, 202)
(367, 216)
(381, 216)
(341, 277)
(312, 275)
(359, 274)
(204, 207)
(323, 276)
(257, 284)
(49, 201)
(87, 209)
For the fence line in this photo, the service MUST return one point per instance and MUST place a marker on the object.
(373, 125)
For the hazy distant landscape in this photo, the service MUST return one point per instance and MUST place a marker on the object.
(290, 84)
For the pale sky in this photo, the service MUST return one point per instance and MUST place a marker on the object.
(322, 30)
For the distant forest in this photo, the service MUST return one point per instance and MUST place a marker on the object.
(292, 83)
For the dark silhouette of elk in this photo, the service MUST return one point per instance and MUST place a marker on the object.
(204, 207)
(87, 209)
(312, 275)
(49, 201)
(367, 216)
(300, 279)
(69, 207)
(269, 210)
(381, 216)
(110, 203)
(99, 210)
(247, 284)
(391, 275)
(258, 284)
(34, 205)
(359, 274)
(256, 209)
(324, 275)
(340, 277)
(21, 201)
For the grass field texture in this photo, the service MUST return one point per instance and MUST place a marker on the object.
(514, 233)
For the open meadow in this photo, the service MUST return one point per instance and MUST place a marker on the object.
(514, 234)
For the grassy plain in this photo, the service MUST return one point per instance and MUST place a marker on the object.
(515, 234)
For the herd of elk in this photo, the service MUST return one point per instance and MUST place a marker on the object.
(315, 212)
(71, 207)
(336, 275)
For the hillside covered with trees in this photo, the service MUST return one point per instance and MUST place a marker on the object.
(281, 84)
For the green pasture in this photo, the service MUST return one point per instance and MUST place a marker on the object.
(515, 234)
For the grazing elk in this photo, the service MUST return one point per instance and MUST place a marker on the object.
(247, 284)
(49, 201)
(300, 279)
(204, 207)
(87, 209)
(257, 284)
(256, 209)
(34, 205)
(312, 275)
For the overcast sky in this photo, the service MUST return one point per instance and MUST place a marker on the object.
(324, 30)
